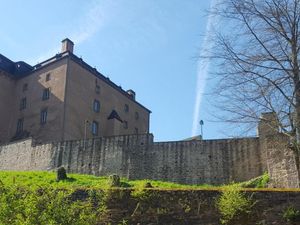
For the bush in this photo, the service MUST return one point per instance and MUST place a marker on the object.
(258, 182)
(61, 174)
(44, 206)
(148, 185)
(114, 181)
(290, 214)
(233, 204)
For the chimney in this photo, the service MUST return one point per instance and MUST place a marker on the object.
(67, 45)
(131, 93)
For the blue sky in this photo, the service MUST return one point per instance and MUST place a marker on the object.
(145, 45)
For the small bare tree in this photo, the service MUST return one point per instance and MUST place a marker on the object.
(257, 58)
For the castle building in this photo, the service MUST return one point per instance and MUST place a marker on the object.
(64, 98)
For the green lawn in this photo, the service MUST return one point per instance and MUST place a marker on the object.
(42, 178)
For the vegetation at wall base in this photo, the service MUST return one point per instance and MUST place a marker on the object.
(258, 182)
(37, 179)
(37, 198)
(233, 204)
(47, 206)
(291, 214)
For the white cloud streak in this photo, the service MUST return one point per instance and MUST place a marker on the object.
(90, 23)
(203, 67)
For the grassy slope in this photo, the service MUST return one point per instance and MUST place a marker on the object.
(37, 179)
(42, 179)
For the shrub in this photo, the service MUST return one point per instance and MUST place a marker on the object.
(233, 204)
(61, 174)
(290, 214)
(258, 182)
(44, 206)
(114, 181)
(148, 185)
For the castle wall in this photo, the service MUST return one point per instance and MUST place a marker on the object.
(138, 157)
(277, 157)
(23, 155)
(191, 162)
(244, 156)
(100, 156)
(208, 161)
(281, 162)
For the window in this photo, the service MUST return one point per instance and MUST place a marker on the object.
(95, 128)
(136, 115)
(46, 94)
(25, 87)
(97, 89)
(126, 108)
(20, 125)
(136, 130)
(44, 114)
(125, 124)
(23, 104)
(96, 106)
(48, 77)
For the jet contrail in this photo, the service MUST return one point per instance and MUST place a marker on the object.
(91, 22)
(203, 65)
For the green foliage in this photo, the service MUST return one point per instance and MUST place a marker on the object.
(114, 181)
(258, 182)
(141, 184)
(143, 195)
(232, 204)
(123, 222)
(61, 174)
(36, 179)
(21, 205)
(290, 214)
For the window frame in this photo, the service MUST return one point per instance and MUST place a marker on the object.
(48, 77)
(44, 116)
(126, 108)
(96, 106)
(46, 94)
(95, 128)
(20, 125)
(125, 124)
(25, 87)
(23, 103)
(136, 116)
(97, 89)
